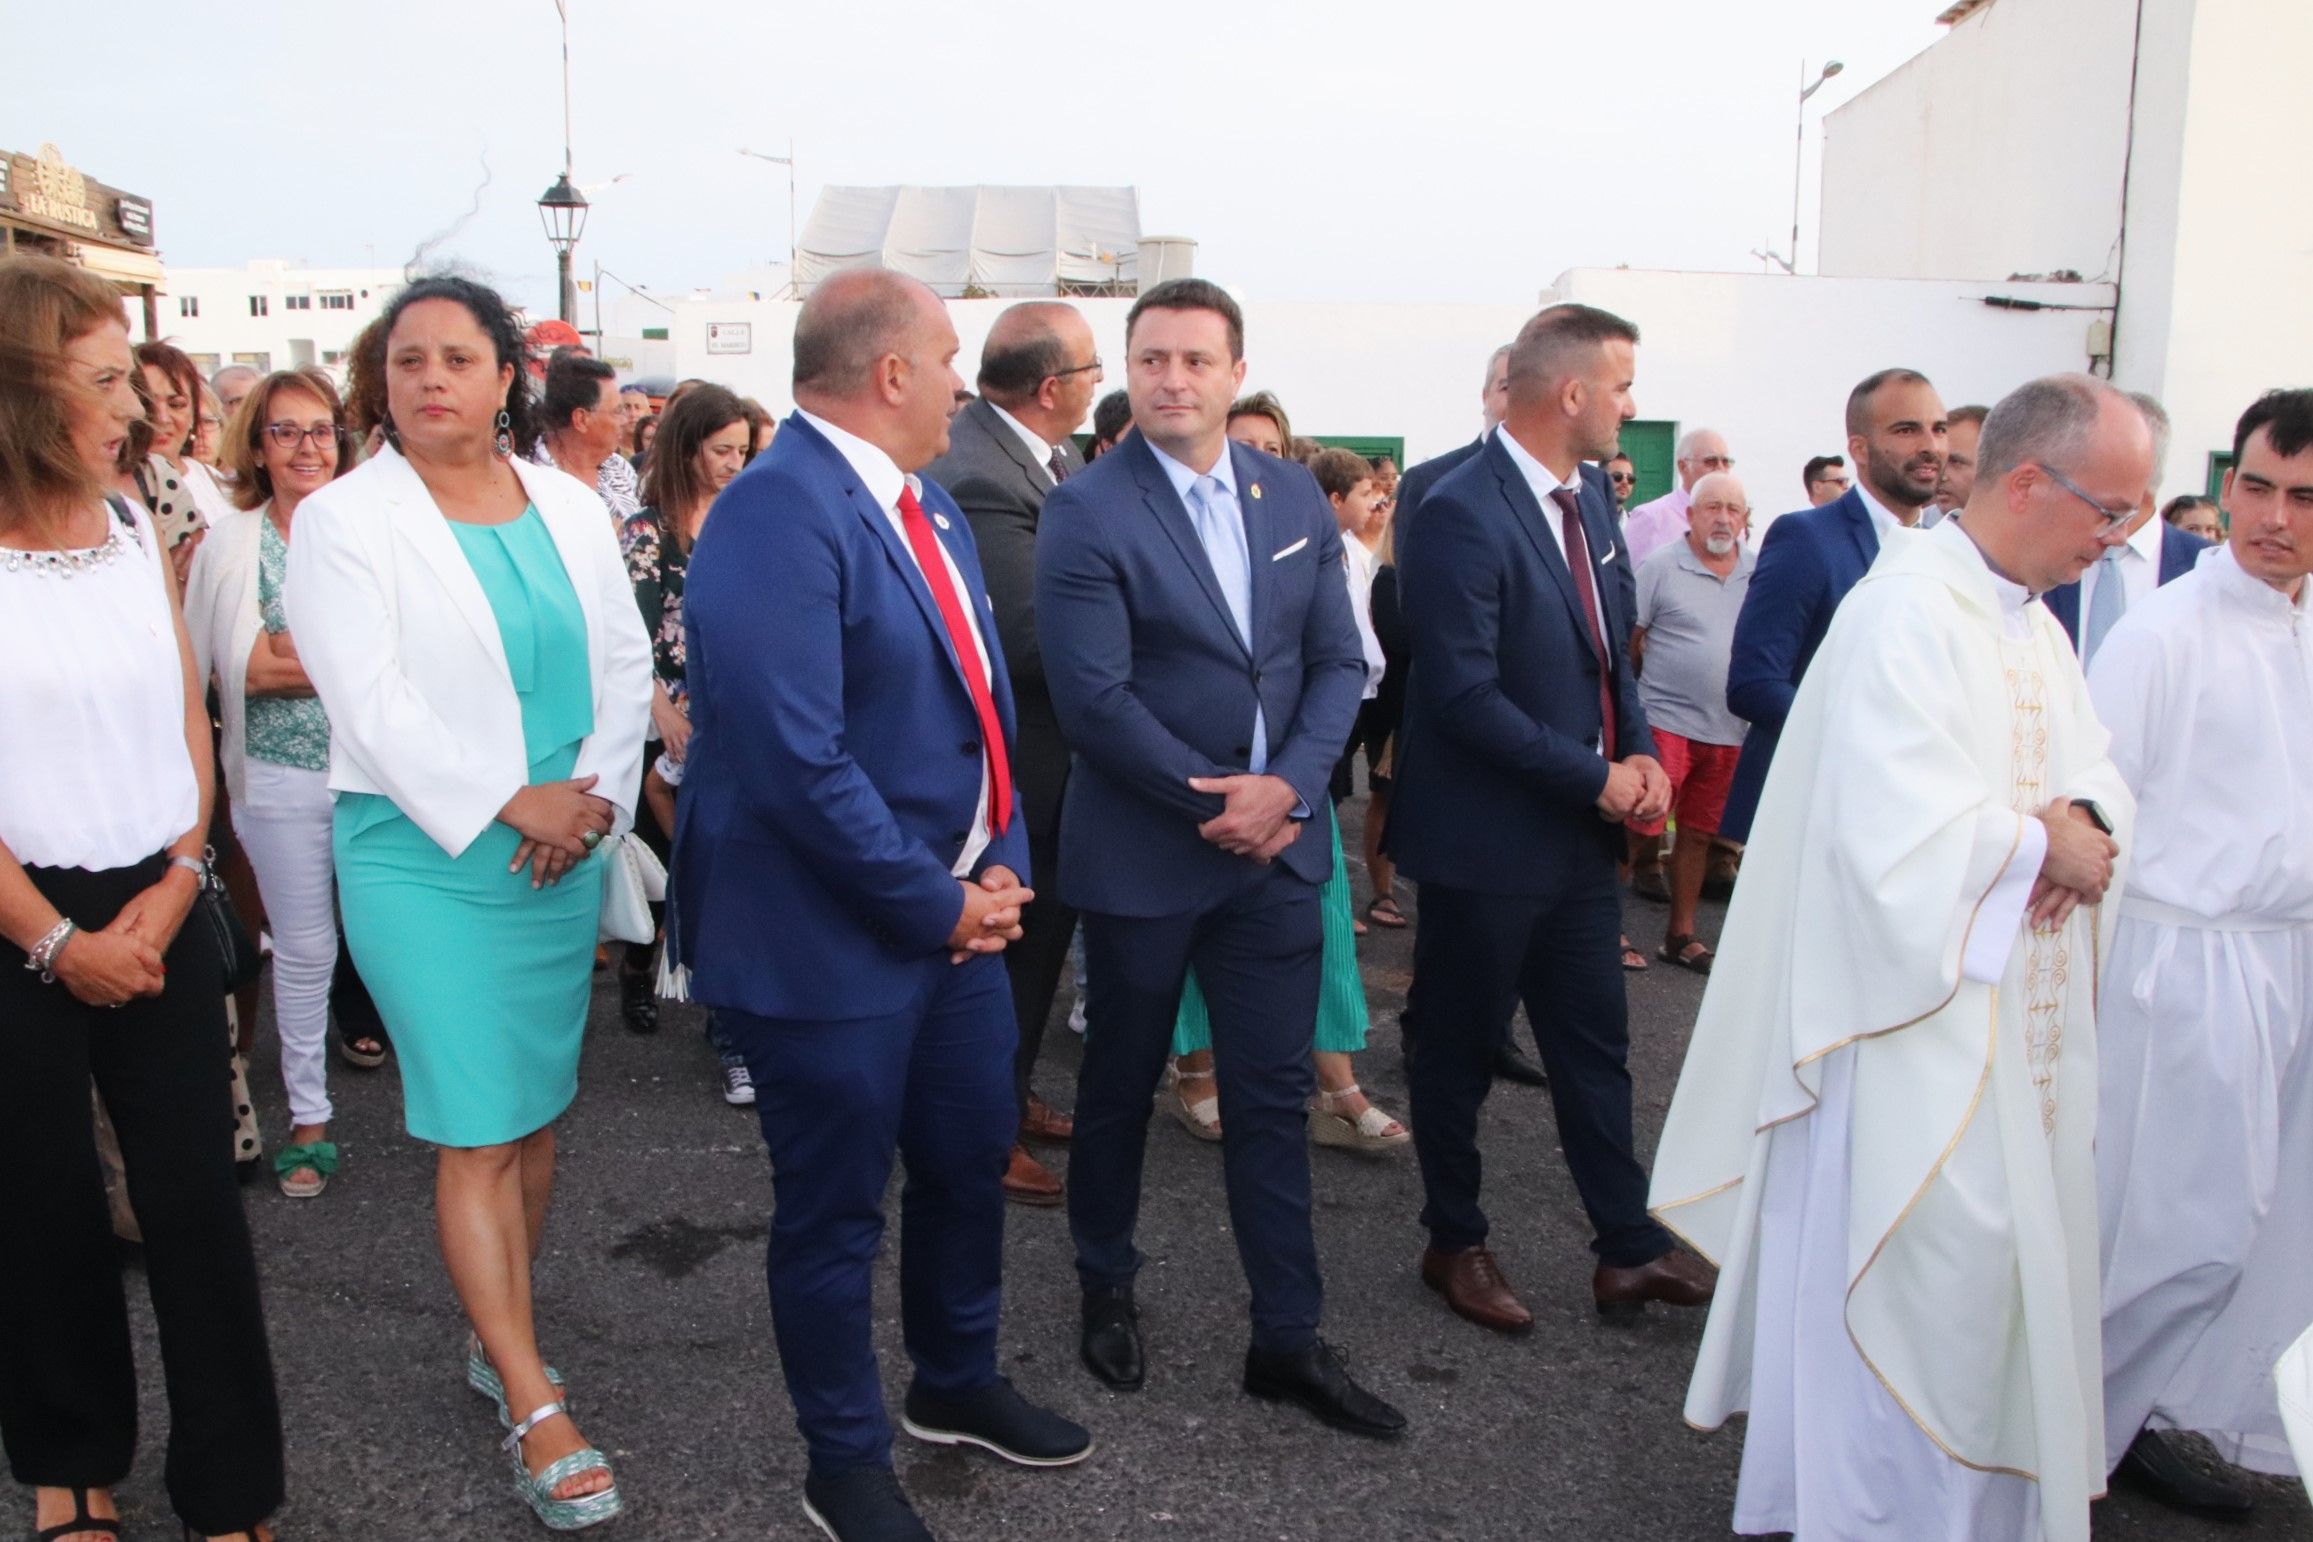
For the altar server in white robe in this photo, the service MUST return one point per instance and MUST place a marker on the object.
(1884, 1128)
(2204, 1157)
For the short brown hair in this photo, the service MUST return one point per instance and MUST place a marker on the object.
(45, 307)
(1264, 404)
(244, 446)
(1191, 294)
(1546, 344)
(1338, 471)
(173, 362)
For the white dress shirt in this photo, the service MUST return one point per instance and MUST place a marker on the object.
(1883, 518)
(884, 481)
(1038, 451)
(1544, 482)
(2139, 565)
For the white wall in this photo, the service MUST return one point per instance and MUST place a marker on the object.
(2215, 292)
(1998, 150)
(285, 337)
(1768, 360)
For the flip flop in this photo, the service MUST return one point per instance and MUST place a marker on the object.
(1632, 959)
(1382, 910)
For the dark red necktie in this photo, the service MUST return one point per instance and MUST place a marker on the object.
(1586, 585)
(926, 546)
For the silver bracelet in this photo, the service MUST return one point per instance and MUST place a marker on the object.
(197, 866)
(41, 956)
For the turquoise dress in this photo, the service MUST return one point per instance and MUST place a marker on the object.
(483, 980)
(1342, 1017)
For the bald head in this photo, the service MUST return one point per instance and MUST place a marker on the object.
(2063, 461)
(1038, 364)
(1702, 451)
(1717, 511)
(851, 322)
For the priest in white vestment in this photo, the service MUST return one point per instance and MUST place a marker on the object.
(2204, 1152)
(1883, 1132)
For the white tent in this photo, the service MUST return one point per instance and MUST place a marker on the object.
(995, 241)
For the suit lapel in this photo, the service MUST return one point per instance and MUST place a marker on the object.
(1037, 478)
(1860, 529)
(1260, 542)
(1534, 520)
(420, 523)
(1172, 517)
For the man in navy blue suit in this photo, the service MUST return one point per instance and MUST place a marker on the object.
(1205, 668)
(2154, 553)
(1525, 749)
(850, 861)
(1896, 438)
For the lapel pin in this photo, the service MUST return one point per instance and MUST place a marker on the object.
(940, 520)
(1256, 492)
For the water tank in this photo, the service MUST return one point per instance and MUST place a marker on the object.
(1163, 257)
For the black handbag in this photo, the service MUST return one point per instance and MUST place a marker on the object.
(236, 949)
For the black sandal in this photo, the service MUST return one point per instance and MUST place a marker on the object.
(82, 1520)
(1382, 910)
(1674, 951)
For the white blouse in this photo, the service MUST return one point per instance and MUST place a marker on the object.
(93, 767)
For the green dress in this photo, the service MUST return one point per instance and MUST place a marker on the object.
(483, 980)
(1341, 1012)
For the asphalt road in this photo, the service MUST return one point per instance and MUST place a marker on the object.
(652, 1302)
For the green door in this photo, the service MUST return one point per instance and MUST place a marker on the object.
(1371, 446)
(1652, 445)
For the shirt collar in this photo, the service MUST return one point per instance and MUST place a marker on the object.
(1541, 478)
(1882, 517)
(2145, 541)
(1038, 450)
(2248, 591)
(876, 470)
(1224, 471)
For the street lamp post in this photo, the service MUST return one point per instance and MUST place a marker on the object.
(1799, 153)
(788, 161)
(563, 210)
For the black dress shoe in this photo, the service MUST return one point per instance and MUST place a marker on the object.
(862, 1504)
(998, 1419)
(1316, 1379)
(1111, 1342)
(2155, 1468)
(1510, 1066)
(638, 1005)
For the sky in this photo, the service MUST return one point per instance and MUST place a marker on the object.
(1428, 150)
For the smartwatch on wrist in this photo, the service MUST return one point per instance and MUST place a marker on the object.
(2095, 815)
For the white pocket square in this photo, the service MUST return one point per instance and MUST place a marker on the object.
(1290, 550)
(1609, 557)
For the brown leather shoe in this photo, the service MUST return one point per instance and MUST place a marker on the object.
(1473, 1286)
(1028, 1182)
(1046, 1125)
(1678, 1278)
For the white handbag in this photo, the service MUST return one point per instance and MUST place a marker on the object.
(633, 877)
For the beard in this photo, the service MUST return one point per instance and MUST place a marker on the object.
(1891, 478)
(1718, 545)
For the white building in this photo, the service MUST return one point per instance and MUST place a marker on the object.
(270, 314)
(2152, 149)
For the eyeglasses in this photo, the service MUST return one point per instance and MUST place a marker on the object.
(1621, 478)
(289, 436)
(1062, 374)
(2112, 517)
(1716, 462)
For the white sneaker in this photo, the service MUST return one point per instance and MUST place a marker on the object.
(738, 1086)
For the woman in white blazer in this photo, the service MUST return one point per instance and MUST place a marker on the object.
(289, 442)
(466, 619)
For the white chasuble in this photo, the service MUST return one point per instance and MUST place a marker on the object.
(1883, 1132)
(2204, 1150)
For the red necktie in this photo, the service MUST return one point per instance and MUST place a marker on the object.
(1578, 562)
(926, 546)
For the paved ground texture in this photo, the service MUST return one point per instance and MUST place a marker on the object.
(652, 1301)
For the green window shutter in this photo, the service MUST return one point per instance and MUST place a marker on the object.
(1652, 445)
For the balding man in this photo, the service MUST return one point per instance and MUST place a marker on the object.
(1525, 748)
(1006, 450)
(1657, 523)
(2155, 553)
(851, 859)
(1689, 594)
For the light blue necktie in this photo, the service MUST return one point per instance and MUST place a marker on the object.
(2105, 606)
(1221, 530)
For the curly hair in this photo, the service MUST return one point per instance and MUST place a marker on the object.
(366, 390)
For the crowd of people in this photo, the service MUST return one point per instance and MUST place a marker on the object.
(1992, 1163)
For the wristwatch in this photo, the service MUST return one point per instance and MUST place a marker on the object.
(2095, 815)
(197, 866)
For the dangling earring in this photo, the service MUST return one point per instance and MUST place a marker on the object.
(505, 435)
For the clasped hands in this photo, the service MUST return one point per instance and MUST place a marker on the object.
(123, 961)
(1637, 788)
(1256, 820)
(991, 914)
(554, 819)
(2075, 870)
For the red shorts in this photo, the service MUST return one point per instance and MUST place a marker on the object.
(1699, 776)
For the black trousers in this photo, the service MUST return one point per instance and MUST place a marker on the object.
(1257, 960)
(1034, 962)
(68, 1397)
(1475, 957)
